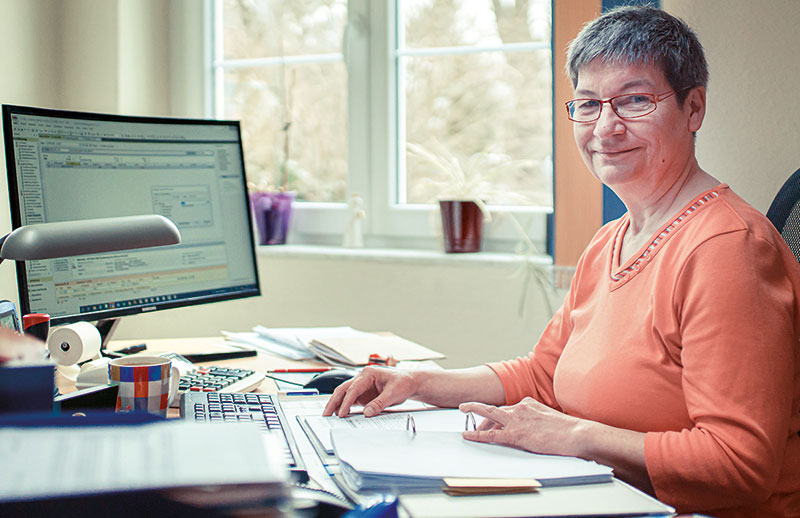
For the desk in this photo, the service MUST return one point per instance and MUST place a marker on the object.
(262, 362)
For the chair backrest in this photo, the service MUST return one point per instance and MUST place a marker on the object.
(784, 213)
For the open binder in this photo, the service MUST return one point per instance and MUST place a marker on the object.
(418, 460)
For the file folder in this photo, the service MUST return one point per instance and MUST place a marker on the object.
(610, 499)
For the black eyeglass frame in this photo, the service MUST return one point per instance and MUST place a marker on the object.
(654, 98)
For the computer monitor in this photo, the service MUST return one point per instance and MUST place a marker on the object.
(65, 165)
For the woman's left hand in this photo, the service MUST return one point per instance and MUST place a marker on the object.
(528, 425)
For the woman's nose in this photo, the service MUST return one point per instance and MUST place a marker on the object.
(609, 123)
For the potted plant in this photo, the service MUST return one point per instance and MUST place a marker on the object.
(462, 193)
(462, 196)
(272, 210)
(272, 206)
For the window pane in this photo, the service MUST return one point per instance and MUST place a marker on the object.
(270, 28)
(315, 142)
(447, 23)
(491, 105)
(496, 103)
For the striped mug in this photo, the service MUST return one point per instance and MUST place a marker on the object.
(146, 383)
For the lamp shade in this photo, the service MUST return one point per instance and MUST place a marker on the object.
(88, 236)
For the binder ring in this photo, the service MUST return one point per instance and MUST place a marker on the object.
(410, 425)
(470, 421)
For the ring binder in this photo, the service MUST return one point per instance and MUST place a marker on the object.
(470, 419)
(411, 426)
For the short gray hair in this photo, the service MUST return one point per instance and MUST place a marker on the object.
(642, 35)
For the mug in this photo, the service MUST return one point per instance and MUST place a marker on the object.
(148, 383)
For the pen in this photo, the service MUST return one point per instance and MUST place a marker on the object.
(309, 369)
(306, 392)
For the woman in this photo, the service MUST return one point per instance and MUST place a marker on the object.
(674, 358)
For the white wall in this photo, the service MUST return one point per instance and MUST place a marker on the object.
(82, 54)
(31, 75)
(467, 311)
(751, 135)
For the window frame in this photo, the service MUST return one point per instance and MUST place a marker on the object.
(369, 45)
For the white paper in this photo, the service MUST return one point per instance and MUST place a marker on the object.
(289, 342)
(438, 420)
(435, 455)
(269, 346)
(40, 462)
(294, 407)
(300, 337)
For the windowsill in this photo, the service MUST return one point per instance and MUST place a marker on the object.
(389, 255)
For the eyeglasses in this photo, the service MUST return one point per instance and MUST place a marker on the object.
(626, 106)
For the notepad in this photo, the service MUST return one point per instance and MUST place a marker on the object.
(461, 486)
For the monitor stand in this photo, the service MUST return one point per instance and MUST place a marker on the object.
(106, 328)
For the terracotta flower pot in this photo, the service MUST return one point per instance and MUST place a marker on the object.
(462, 225)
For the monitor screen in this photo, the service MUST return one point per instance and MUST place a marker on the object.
(66, 166)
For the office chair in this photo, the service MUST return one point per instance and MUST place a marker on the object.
(784, 213)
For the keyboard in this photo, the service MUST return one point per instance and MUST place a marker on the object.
(261, 409)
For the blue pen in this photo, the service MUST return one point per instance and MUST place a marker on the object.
(303, 392)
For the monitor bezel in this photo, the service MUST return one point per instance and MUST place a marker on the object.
(16, 218)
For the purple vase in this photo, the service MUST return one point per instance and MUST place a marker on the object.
(272, 211)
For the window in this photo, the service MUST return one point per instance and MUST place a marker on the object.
(330, 92)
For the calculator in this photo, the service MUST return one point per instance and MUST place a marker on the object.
(196, 378)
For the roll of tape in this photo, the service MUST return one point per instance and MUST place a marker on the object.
(74, 343)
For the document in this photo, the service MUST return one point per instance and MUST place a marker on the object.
(398, 459)
(291, 342)
(394, 418)
(261, 343)
(355, 350)
(75, 460)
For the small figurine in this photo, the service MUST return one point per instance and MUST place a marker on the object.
(353, 231)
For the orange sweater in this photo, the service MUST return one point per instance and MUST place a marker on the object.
(694, 342)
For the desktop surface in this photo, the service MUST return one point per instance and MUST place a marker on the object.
(264, 362)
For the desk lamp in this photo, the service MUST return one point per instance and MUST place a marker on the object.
(87, 236)
(64, 239)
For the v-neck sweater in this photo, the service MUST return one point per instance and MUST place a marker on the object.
(693, 341)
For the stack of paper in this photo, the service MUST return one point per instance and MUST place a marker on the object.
(78, 460)
(354, 351)
(290, 342)
(340, 346)
(394, 460)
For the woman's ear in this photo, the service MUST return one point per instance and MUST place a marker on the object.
(696, 105)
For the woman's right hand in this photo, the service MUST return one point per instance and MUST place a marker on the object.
(376, 388)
